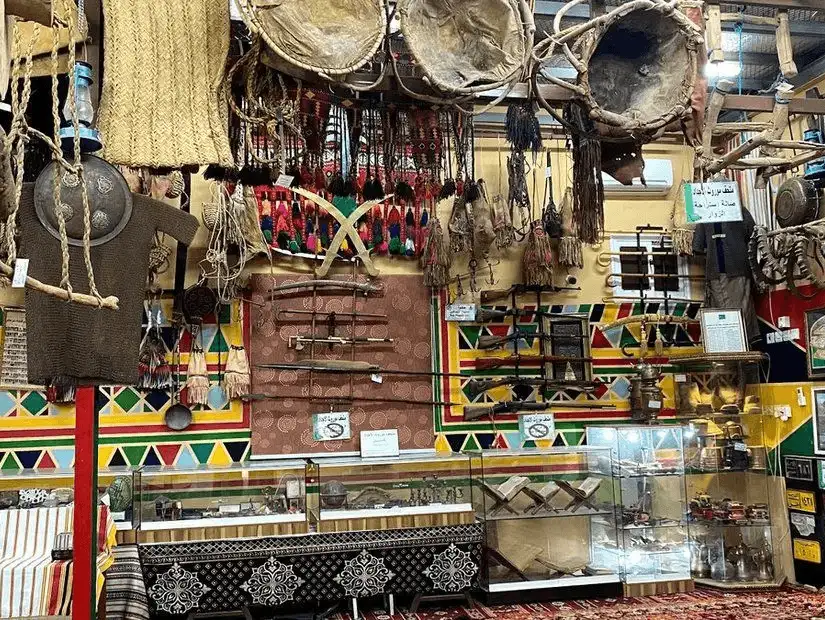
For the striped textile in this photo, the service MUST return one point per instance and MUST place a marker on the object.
(31, 584)
(125, 591)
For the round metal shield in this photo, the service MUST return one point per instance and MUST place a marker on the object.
(110, 201)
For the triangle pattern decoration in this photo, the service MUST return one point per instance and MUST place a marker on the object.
(485, 440)
(470, 443)
(609, 339)
(468, 336)
(34, 403)
(127, 399)
(185, 458)
(10, 463)
(220, 456)
(168, 452)
(134, 454)
(441, 443)
(64, 457)
(8, 404)
(236, 450)
(151, 457)
(202, 451)
(117, 459)
(513, 438)
(456, 440)
(104, 454)
(500, 442)
(46, 461)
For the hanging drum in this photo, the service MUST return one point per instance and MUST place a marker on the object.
(797, 202)
(640, 60)
(468, 46)
(110, 201)
(327, 37)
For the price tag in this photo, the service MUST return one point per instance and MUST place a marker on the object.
(21, 269)
(548, 172)
(284, 180)
(807, 551)
(804, 524)
(680, 378)
(376, 378)
(740, 446)
(293, 489)
(229, 509)
(654, 404)
(801, 500)
(119, 516)
(461, 313)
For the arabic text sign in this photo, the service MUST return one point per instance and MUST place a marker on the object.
(718, 201)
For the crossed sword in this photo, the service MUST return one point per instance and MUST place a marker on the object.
(346, 229)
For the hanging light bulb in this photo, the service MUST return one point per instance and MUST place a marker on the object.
(89, 136)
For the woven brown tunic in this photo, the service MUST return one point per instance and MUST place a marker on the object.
(90, 345)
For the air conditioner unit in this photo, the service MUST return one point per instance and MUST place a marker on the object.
(658, 176)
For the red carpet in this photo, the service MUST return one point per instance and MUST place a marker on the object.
(704, 604)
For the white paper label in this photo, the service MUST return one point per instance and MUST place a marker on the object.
(293, 489)
(21, 268)
(461, 312)
(717, 201)
(533, 426)
(379, 443)
(723, 331)
(229, 509)
(740, 446)
(284, 180)
(119, 516)
(681, 378)
(548, 172)
(654, 404)
(805, 524)
(331, 426)
(376, 378)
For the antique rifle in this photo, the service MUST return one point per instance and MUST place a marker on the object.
(362, 287)
(347, 399)
(489, 363)
(493, 342)
(474, 412)
(485, 315)
(521, 289)
(476, 387)
(299, 342)
(349, 367)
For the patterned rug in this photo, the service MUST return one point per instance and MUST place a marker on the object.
(703, 604)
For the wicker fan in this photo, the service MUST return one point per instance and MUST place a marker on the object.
(468, 46)
(328, 37)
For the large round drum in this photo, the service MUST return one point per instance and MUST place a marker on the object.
(330, 37)
(467, 46)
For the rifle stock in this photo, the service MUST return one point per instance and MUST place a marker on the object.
(474, 412)
(476, 387)
(493, 342)
(485, 315)
(489, 363)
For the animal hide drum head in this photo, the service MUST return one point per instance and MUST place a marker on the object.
(638, 68)
(333, 37)
(464, 44)
(110, 201)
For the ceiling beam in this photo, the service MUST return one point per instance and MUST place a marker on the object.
(810, 72)
(754, 58)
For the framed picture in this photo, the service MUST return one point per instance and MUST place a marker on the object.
(815, 337)
(723, 331)
(818, 399)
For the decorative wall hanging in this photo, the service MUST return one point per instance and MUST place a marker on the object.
(815, 337)
(14, 371)
(160, 105)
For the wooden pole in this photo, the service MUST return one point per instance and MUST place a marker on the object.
(84, 565)
(784, 46)
(713, 33)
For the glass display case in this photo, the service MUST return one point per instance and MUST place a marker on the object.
(420, 490)
(45, 488)
(546, 512)
(648, 475)
(727, 478)
(248, 494)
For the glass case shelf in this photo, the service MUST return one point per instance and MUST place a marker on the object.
(543, 511)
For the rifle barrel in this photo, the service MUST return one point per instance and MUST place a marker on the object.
(473, 412)
(345, 399)
(488, 363)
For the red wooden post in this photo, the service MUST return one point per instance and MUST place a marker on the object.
(84, 597)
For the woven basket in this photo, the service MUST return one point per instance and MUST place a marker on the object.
(160, 105)
(468, 46)
(330, 37)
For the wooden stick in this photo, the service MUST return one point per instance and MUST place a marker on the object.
(779, 121)
(717, 100)
(110, 302)
(713, 32)
(798, 144)
(784, 47)
(755, 20)
(791, 229)
(723, 128)
(31, 10)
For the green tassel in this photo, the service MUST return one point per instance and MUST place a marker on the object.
(345, 204)
(395, 246)
(268, 236)
(294, 247)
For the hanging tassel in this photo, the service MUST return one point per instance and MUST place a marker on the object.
(394, 224)
(409, 247)
(154, 372)
(483, 233)
(537, 262)
(588, 189)
(682, 230)
(236, 380)
(336, 185)
(320, 179)
(404, 191)
(61, 389)
(459, 227)
(523, 128)
(197, 378)
(436, 258)
(447, 190)
(570, 246)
